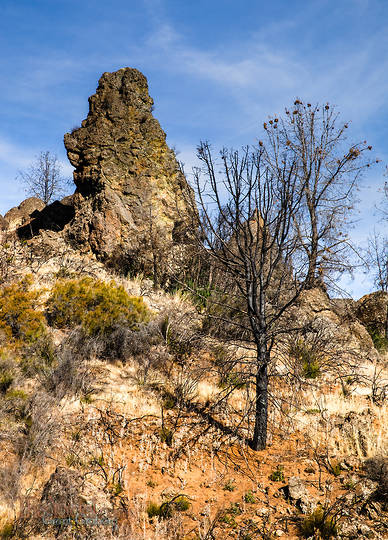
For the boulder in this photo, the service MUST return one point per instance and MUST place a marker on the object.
(338, 320)
(62, 490)
(296, 492)
(22, 214)
(372, 311)
(52, 217)
(67, 493)
(133, 206)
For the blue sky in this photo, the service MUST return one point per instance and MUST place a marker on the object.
(216, 70)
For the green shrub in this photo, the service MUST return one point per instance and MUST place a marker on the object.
(318, 525)
(7, 531)
(86, 398)
(335, 468)
(6, 379)
(166, 509)
(97, 306)
(277, 475)
(181, 503)
(312, 411)
(199, 295)
(220, 355)
(306, 357)
(230, 485)
(350, 484)
(20, 318)
(16, 394)
(180, 347)
(225, 316)
(117, 489)
(228, 520)
(235, 509)
(153, 510)
(169, 402)
(379, 340)
(231, 379)
(249, 497)
(39, 356)
(311, 369)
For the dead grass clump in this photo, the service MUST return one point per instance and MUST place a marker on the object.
(72, 375)
(42, 427)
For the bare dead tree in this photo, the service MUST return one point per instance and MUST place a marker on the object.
(329, 172)
(43, 178)
(247, 231)
(376, 260)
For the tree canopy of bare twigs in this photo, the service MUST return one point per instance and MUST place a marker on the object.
(376, 260)
(43, 178)
(328, 170)
(247, 231)
(273, 223)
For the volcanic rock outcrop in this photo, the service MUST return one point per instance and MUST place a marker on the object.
(372, 310)
(132, 203)
(24, 213)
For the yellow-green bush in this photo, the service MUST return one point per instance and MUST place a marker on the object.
(97, 306)
(319, 524)
(20, 318)
(7, 531)
(180, 503)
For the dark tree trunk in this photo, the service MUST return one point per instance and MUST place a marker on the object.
(311, 279)
(259, 440)
(386, 322)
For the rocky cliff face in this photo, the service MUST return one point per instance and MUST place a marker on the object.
(372, 310)
(132, 201)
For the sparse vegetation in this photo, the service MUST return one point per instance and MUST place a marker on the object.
(380, 341)
(6, 379)
(7, 531)
(180, 503)
(249, 497)
(319, 523)
(230, 485)
(167, 436)
(335, 469)
(306, 357)
(277, 475)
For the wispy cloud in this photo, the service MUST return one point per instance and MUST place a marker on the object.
(263, 75)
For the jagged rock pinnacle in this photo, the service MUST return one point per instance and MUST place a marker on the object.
(131, 203)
